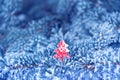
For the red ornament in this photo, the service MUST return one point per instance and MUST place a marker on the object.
(61, 51)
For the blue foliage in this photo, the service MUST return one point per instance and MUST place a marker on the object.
(31, 29)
